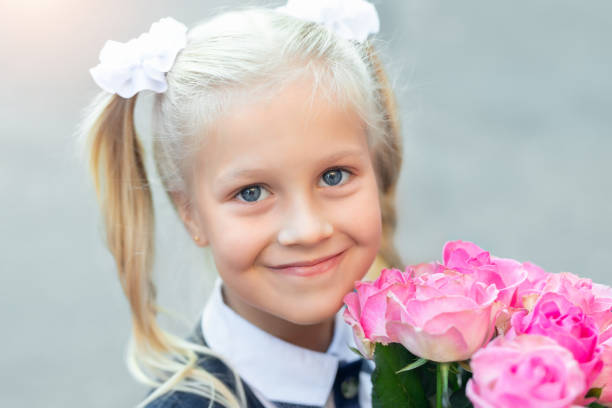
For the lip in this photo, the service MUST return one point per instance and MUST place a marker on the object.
(316, 267)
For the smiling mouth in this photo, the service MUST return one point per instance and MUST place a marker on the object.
(310, 268)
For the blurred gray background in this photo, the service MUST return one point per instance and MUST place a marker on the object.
(506, 110)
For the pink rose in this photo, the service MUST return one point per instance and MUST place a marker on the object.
(594, 299)
(531, 287)
(446, 317)
(604, 380)
(366, 308)
(559, 319)
(528, 371)
(505, 274)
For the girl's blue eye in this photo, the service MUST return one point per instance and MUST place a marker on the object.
(251, 194)
(332, 177)
(335, 177)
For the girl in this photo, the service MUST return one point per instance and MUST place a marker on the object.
(277, 141)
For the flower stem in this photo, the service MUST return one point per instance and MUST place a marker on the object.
(442, 400)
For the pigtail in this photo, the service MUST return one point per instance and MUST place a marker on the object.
(116, 157)
(117, 165)
(388, 160)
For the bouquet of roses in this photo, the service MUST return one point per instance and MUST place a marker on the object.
(481, 331)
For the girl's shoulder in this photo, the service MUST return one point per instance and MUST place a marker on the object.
(180, 399)
(183, 399)
(215, 367)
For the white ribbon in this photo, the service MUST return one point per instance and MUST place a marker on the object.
(141, 63)
(350, 19)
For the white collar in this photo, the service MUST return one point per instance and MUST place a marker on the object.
(279, 370)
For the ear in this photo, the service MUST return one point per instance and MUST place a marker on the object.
(190, 219)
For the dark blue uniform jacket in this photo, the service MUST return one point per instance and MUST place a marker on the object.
(348, 373)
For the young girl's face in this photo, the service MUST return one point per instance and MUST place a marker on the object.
(282, 182)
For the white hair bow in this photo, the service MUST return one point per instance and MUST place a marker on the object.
(141, 63)
(350, 19)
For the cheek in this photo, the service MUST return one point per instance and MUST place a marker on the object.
(360, 217)
(236, 241)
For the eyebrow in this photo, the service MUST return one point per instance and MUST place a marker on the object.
(253, 172)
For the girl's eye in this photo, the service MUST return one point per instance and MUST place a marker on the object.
(335, 177)
(251, 194)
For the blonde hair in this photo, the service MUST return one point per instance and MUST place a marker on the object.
(240, 54)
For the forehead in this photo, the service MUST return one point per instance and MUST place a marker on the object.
(295, 126)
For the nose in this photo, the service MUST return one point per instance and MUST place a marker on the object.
(304, 224)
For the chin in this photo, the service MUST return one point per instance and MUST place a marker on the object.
(312, 316)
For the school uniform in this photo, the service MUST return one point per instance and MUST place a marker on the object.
(275, 373)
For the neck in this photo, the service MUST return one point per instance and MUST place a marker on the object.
(316, 337)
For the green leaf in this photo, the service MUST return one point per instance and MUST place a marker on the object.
(391, 390)
(596, 405)
(354, 350)
(594, 392)
(413, 365)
